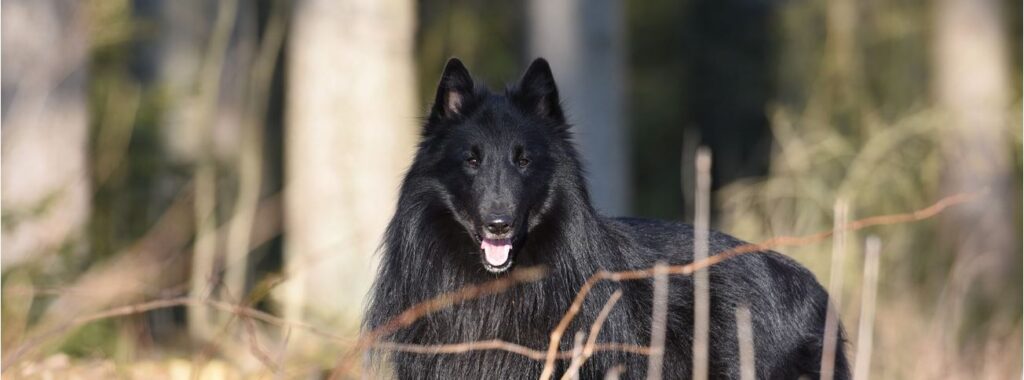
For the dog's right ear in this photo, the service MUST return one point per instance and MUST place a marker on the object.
(454, 91)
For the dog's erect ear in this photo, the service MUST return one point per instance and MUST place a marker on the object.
(537, 93)
(453, 91)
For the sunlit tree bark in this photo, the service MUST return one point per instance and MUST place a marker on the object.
(350, 125)
(971, 85)
(45, 183)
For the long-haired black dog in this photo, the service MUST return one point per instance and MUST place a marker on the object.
(496, 184)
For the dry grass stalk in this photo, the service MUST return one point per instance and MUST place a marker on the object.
(659, 321)
(835, 288)
(614, 372)
(745, 338)
(573, 372)
(701, 282)
(255, 348)
(279, 375)
(865, 332)
(595, 330)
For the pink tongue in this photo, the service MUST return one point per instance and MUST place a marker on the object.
(496, 250)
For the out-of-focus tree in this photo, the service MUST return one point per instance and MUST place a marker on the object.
(971, 85)
(351, 123)
(202, 63)
(700, 73)
(729, 53)
(205, 68)
(46, 187)
(584, 42)
(972, 88)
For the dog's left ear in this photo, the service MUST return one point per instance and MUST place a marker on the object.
(536, 92)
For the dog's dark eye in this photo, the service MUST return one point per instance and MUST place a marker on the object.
(473, 162)
(520, 157)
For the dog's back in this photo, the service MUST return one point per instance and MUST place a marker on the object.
(787, 305)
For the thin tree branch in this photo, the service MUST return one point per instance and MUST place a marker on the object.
(595, 330)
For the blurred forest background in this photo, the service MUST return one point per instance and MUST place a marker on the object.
(249, 152)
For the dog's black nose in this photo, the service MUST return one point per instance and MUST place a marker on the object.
(498, 226)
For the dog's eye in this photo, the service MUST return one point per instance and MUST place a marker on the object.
(473, 162)
(520, 157)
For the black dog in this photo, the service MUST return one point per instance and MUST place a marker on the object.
(496, 183)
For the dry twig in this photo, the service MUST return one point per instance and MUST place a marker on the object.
(573, 372)
(701, 282)
(614, 372)
(835, 289)
(432, 305)
(281, 354)
(745, 338)
(595, 330)
(872, 248)
(659, 322)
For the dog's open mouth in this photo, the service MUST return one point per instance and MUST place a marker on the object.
(496, 254)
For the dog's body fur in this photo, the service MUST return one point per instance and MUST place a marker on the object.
(433, 246)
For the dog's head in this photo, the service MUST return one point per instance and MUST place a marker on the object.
(496, 156)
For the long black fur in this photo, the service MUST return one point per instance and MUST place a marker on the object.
(432, 246)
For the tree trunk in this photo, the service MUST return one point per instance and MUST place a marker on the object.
(972, 89)
(203, 58)
(583, 41)
(350, 127)
(45, 182)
